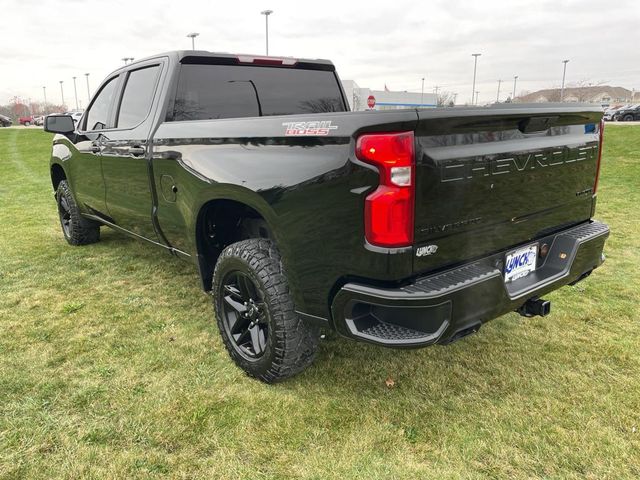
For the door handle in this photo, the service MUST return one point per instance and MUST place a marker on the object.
(137, 150)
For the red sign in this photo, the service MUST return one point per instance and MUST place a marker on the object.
(371, 101)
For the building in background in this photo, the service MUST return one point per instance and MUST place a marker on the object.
(600, 94)
(386, 100)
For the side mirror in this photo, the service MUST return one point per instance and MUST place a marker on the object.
(59, 124)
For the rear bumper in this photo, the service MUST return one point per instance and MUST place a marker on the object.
(442, 307)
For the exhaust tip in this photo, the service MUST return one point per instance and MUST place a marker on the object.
(535, 307)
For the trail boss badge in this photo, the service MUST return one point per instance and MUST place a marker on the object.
(301, 129)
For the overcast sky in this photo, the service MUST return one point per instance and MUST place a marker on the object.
(393, 42)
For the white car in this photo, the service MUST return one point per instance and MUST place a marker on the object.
(77, 115)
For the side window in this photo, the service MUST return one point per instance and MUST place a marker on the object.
(97, 116)
(137, 97)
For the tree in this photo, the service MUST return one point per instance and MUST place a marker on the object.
(446, 99)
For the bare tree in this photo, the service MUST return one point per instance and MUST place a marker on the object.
(446, 99)
(583, 90)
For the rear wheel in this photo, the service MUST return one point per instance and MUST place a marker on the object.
(255, 313)
(77, 230)
(628, 118)
(26, 124)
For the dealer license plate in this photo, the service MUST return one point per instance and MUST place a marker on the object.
(519, 263)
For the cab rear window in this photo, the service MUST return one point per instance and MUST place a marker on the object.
(232, 91)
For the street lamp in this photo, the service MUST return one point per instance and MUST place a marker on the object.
(564, 73)
(44, 90)
(193, 36)
(475, 66)
(515, 79)
(75, 91)
(88, 91)
(62, 91)
(498, 96)
(422, 92)
(477, 94)
(266, 14)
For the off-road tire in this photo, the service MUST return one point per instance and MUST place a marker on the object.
(291, 344)
(80, 230)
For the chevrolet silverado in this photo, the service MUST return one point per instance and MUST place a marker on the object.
(402, 228)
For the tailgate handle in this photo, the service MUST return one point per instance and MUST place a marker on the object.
(536, 124)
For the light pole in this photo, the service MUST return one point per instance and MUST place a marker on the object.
(62, 92)
(193, 36)
(515, 79)
(475, 65)
(455, 98)
(124, 59)
(44, 90)
(477, 94)
(498, 95)
(88, 91)
(422, 92)
(266, 14)
(564, 73)
(75, 91)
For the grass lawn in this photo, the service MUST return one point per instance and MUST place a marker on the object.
(111, 367)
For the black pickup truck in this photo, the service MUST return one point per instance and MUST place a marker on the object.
(402, 228)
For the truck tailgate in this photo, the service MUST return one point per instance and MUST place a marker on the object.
(488, 179)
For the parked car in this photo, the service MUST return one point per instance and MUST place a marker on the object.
(628, 114)
(609, 112)
(5, 121)
(39, 120)
(402, 228)
(76, 115)
(26, 120)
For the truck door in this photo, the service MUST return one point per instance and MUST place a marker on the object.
(125, 153)
(86, 170)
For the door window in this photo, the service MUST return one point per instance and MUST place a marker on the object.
(137, 97)
(98, 115)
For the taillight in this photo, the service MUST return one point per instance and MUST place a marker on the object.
(601, 144)
(388, 210)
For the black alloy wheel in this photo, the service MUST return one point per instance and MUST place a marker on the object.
(64, 210)
(77, 230)
(244, 315)
(256, 315)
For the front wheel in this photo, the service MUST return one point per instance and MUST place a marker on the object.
(77, 230)
(255, 313)
(628, 118)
